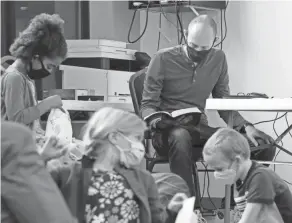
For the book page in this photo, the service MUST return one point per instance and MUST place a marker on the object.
(185, 111)
(157, 114)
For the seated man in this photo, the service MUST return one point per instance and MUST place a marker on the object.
(262, 196)
(184, 76)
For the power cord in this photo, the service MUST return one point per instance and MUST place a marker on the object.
(177, 30)
(287, 182)
(164, 15)
(180, 27)
(225, 24)
(274, 128)
(216, 210)
(286, 118)
(221, 27)
(208, 187)
(182, 30)
(132, 22)
(272, 120)
(159, 33)
(274, 123)
(204, 186)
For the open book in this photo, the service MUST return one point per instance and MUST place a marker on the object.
(173, 114)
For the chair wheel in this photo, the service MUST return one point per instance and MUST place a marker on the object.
(220, 215)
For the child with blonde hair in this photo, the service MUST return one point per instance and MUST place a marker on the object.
(108, 185)
(260, 194)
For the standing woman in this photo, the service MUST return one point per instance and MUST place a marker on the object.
(38, 50)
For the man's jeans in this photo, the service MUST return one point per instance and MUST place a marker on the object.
(184, 146)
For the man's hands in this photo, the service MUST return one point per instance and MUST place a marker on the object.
(53, 148)
(159, 123)
(166, 123)
(253, 134)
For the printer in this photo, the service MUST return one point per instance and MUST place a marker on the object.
(100, 69)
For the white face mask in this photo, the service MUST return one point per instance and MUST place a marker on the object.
(227, 174)
(133, 156)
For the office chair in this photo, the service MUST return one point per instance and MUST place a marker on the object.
(136, 85)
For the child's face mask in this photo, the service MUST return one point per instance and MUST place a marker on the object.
(132, 156)
(227, 174)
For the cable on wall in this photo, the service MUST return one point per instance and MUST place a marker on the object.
(225, 25)
(132, 22)
(159, 33)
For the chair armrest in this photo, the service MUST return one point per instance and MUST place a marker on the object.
(261, 147)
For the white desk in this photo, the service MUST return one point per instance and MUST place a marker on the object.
(74, 105)
(255, 104)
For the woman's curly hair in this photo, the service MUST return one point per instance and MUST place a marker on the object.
(44, 36)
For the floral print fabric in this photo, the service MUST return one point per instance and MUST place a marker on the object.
(110, 200)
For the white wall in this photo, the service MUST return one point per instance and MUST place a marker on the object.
(258, 50)
(111, 20)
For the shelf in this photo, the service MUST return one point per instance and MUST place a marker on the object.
(199, 6)
(73, 105)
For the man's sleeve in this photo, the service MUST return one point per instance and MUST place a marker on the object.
(153, 85)
(28, 190)
(260, 189)
(221, 90)
(16, 110)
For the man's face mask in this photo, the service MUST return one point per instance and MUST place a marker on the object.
(227, 174)
(197, 56)
(38, 74)
(132, 156)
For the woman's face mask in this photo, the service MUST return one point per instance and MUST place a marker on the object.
(132, 156)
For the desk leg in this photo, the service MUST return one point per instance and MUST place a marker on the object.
(230, 120)
(227, 203)
(227, 186)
